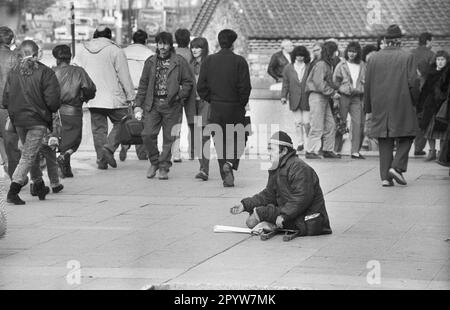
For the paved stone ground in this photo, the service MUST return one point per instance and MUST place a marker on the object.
(128, 232)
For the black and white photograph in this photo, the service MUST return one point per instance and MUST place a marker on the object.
(224, 150)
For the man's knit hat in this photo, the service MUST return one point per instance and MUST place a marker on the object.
(393, 32)
(281, 138)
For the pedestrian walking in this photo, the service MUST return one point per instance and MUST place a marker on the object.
(182, 38)
(76, 88)
(280, 60)
(390, 94)
(320, 88)
(106, 63)
(224, 82)
(165, 85)
(137, 53)
(424, 58)
(31, 95)
(10, 139)
(294, 89)
(349, 76)
(431, 99)
(444, 154)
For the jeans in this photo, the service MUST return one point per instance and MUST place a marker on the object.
(52, 167)
(167, 117)
(31, 138)
(301, 125)
(322, 124)
(352, 105)
(99, 124)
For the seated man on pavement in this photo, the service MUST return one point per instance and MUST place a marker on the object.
(292, 199)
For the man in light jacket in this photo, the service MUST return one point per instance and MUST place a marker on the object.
(390, 93)
(137, 53)
(106, 64)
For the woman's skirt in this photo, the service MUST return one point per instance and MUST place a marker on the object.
(431, 133)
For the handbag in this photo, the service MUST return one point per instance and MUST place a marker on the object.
(130, 130)
(442, 114)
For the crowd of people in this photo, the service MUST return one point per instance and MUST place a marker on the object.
(392, 97)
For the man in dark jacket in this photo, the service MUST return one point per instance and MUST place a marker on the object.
(424, 58)
(224, 81)
(7, 62)
(165, 85)
(391, 92)
(293, 198)
(280, 60)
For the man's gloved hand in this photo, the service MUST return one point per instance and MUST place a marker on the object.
(138, 113)
(237, 209)
(279, 222)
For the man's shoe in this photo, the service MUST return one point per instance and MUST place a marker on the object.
(431, 156)
(13, 194)
(57, 189)
(312, 156)
(41, 190)
(357, 156)
(163, 174)
(387, 183)
(123, 153)
(228, 180)
(151, 173)
(32, 190)
(177, 160)
(420, 153)
(329, 154)
(202, 176)
(109, 157)
(397, 176)
(102, 164)
(300, 148)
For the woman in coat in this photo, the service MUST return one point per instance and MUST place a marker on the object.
(431, 98)
(31, 95)
(197, 111)
(294, 89)
(349, 76)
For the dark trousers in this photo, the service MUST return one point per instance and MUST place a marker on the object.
(166, 116)
(201, 145)
(420, 141)
(11, 141)
(52, 166)
(387, 158)
(99, 124)
(229, 145)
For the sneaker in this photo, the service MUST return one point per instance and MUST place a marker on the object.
(163, 174)
(151, 173)
(57, 189)
(387, 183)
(357, 156)
(228, 180)
(202, 176)
(397, 176)
(312, 156)
(419, 153)
(109, 157)
(329, 154)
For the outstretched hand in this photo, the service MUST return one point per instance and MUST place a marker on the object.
(237, 209)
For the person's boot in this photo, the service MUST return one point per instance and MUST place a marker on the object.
(431, 156)
(57, 189)
(32, 190)
(228, 180)
(163, 174)
(102, 164)
(13, 194)
(123, 152)
(151, 173)
(68, 172)
(41, 190)
(109, 157)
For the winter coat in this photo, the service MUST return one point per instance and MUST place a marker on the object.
(7, 62)
(424, 58)
(342, 78)
(196, 106)
(106, 64)
(225, 78)
(137, 54)
(320, 80)
(293, 187)
(391, 92)
(180, 82)
(76, 88)
(431, 98)
(277, 64)
(295, 87)
(31, 100)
